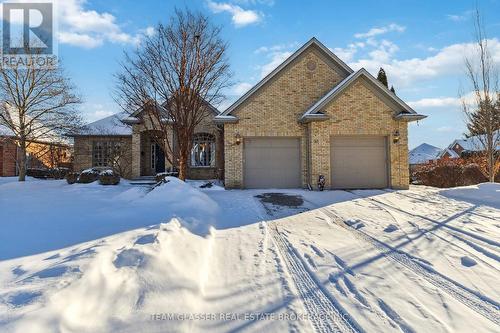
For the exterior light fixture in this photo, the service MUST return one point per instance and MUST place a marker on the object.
(238, 138)
(395, 136)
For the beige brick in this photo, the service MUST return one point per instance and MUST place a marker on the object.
(275, 108)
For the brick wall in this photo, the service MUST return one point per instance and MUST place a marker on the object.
(83, 152)
(8, 154)
(275, 108)
(358, 111)
(141, 154)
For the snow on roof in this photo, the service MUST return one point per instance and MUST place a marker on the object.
(451, 152)
(38, 131)
(111, 125)
(423, 154)
(474, 143)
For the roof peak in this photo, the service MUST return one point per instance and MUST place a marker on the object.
(312, 41)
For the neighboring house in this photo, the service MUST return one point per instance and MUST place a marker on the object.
(127, 138)
(448, 153)
(422, 154)
(40, 154)
(460, 147)
(311, 116)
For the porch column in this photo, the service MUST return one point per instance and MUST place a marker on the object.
(136, 153)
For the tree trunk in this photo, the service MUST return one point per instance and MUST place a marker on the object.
(182, 167)
(491, 166)
(22, 161)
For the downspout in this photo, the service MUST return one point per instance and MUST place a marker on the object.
(308, 156)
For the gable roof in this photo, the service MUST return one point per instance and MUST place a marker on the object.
(312, 42)
(38, 131)
(110, 126)
(475, 143)
(451, 152)
(423, 153)
(314, 112)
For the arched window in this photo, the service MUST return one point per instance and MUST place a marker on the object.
(203, 152)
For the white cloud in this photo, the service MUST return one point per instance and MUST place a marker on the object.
(448, 60)
(82, 40)
(275, 48)
(347, 53)
(381, 30)
(460, 17)
(241, 88)
(276, 59)
(438, 102)
(255, 2)
(149, 31)
(445, 129)
(87, 28)
(456, 18)
(239, 16)
(97, 111)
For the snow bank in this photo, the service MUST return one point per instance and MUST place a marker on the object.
(197, 208)
(123, 283)
(481, 194)
(49, 215)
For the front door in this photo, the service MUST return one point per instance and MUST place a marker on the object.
(157, 158)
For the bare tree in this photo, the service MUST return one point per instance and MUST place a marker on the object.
(483, 113)
(175, 75)
(37, 106)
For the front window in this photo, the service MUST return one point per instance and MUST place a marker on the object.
(203, 152)
(104, 153)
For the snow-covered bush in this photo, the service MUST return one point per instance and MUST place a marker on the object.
(108, 177)
(161, 176)
(88, 176)
(72, 177)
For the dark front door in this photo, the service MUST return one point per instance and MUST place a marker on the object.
(158, 158)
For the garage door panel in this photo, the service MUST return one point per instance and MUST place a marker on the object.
(359, 162)
(272, 162)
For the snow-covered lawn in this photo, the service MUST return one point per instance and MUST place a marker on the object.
(89, 258)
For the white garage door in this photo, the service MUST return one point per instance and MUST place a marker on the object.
(272, 163)
(359, 162)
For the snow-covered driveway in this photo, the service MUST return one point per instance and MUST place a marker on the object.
(376, 261)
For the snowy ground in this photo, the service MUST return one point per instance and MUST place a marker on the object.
(89, 258)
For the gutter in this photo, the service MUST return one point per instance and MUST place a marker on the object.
(409, 117)
(313, 117)
(225, 119)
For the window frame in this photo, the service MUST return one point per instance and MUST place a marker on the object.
(103, 152)
(204, 138)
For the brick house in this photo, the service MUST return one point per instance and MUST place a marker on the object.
(40, 155)
(311, 116)
(128, 138)
(474, 144)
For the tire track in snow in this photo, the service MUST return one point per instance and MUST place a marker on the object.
(449, 227)
(481, 304)
(325, 313)
(457, 235)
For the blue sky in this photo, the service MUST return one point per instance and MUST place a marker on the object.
(421, 45)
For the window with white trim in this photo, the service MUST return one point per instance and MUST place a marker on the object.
(203, 151)
(104, 153)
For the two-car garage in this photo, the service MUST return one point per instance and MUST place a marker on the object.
(356, 162)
